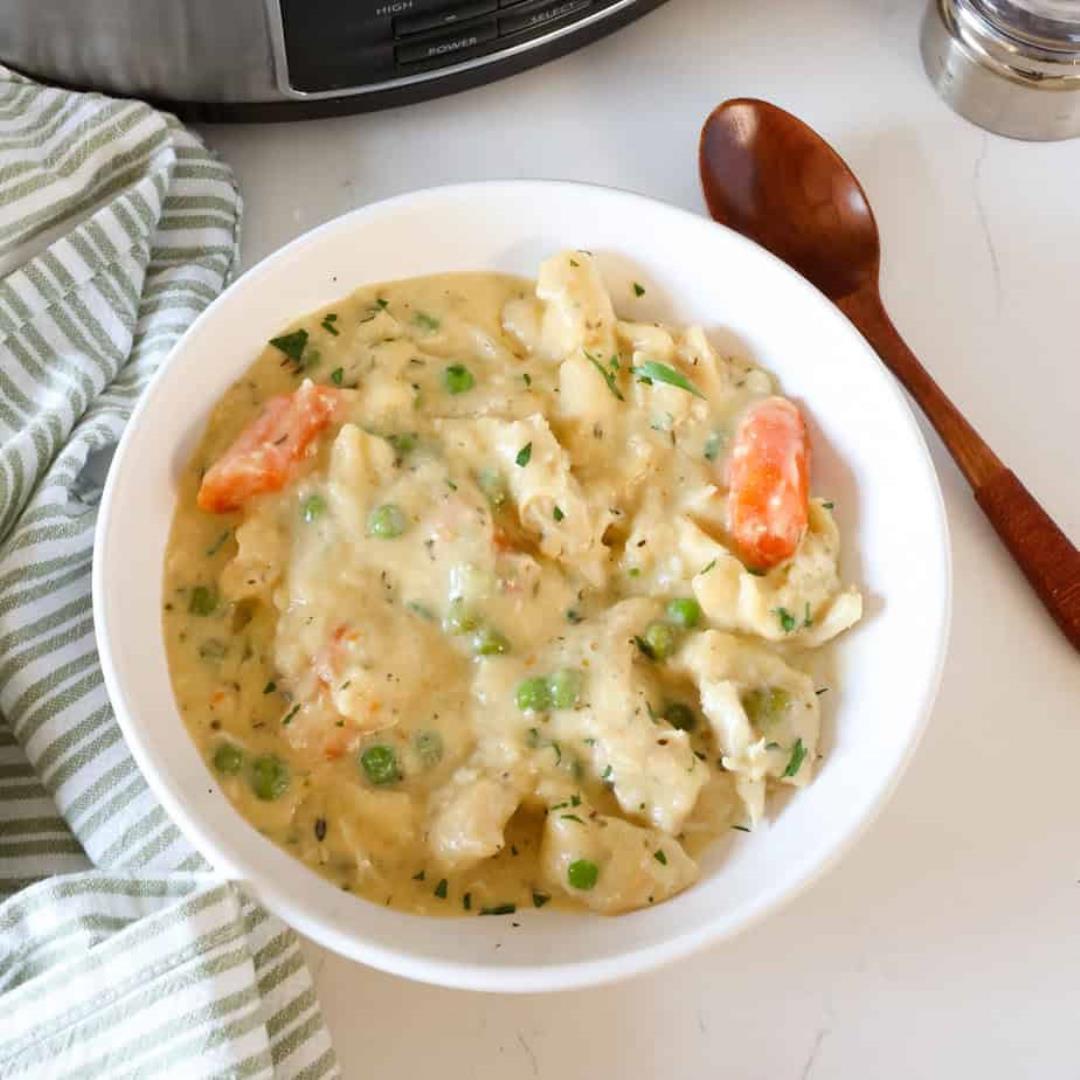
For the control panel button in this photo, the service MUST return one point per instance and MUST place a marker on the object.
(540, 16)
(448, 18)
(447, 46)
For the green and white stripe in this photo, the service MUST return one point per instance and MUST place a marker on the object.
(117, 228)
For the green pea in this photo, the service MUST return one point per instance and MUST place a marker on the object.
(457, 378)
(684, 612)
(582, 874)
(387, 522)
(269, 777)
(228, 758)
(380, 764)
(659, 640)
(491, 483)
(204, 600)
(533, 695)
(564, 688)
(404, 443)
(680, 716)
(488, 641)
(459, 619)
(765, 706)
(429, 747)
(314, 507)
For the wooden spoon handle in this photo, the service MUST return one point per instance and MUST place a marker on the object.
(1045, 554)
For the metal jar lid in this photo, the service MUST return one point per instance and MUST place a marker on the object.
(1011, 66)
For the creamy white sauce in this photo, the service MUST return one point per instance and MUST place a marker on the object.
(374, 629)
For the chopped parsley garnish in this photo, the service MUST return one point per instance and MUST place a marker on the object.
(527, 378)
(524, 455)
(320, 829)
(337, 376)
(204, 600)
(292, 345)
(639, 289)
(608, 376)
(807, 621)
(540, 899)
(426, 321)
(270, 687)
(606, 774)
(706, 568)
(328, 324)
(287, 719)
(712, 446)
(787, 620)
(499, 909)
(466, 901)
(660, 857)
(440, 889)
(823, 690)
(216, 546)
(653, 371)
(798, 753)
(421, 609)
(741, 828)
(557, 513)
(384, 304)
(828, 505)
(419, 875)
(572, 817)
(573, 616)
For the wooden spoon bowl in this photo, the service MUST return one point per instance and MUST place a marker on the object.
(775, 180)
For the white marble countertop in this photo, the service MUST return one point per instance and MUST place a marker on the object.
(947, 943)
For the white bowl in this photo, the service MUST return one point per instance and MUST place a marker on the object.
(869, 456)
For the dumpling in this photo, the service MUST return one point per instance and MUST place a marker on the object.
(609, 864)
(763, 713)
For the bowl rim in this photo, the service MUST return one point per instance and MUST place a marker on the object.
(520, 978)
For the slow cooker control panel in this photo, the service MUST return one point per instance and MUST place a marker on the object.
(331, 45)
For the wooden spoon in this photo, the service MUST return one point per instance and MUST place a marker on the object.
(775, 180)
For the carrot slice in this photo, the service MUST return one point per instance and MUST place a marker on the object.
(265, 454)
(769, 479)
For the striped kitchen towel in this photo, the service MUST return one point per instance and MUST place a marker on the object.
(117, 227)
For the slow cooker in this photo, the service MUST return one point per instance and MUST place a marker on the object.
(283, 59)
